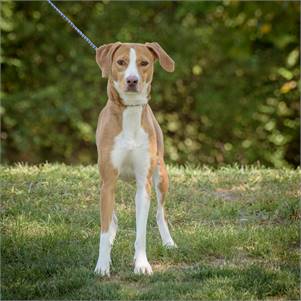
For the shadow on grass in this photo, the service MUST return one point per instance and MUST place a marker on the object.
(55, 267)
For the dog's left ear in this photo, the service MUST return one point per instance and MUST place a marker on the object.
(104, 56)
(166, 62)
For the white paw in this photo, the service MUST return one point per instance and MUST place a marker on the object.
(170, 245)
(142, 266)
(103, 267)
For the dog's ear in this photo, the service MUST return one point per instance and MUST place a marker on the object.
(104, 56)
(166, 62)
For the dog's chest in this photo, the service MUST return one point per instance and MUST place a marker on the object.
(130, 153)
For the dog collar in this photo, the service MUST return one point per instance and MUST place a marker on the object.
(143, 104)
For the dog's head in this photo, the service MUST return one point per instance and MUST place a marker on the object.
(130, 67)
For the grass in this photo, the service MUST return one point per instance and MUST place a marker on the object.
(237, 231)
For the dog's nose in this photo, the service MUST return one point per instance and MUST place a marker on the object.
(132, 81)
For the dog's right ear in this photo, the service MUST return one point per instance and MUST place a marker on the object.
(104, 56)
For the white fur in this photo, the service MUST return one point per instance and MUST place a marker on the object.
(132, 70)
(133, 98)
(105, 246)
(130, 156)
(161, 222)
(142, 202)
(131, 145)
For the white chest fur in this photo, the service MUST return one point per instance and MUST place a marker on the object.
(130, 153)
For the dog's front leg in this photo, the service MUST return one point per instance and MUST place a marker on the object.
(142, 201)
(108, 227)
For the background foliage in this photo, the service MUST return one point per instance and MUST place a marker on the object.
(233, 97)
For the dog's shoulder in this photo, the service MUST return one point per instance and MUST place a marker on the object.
(108, 125)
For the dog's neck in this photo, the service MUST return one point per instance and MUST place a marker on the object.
(129, 117)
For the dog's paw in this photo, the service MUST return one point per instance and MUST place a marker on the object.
(142, 266)
(170, 245)
(103, 267)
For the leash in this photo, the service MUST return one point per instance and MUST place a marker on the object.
(81, 34)
(72, 25)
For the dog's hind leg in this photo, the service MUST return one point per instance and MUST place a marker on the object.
(160, 180)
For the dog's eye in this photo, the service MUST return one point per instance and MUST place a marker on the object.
(121, 62)
(144, 63)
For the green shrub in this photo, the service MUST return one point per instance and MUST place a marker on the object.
(234, 96)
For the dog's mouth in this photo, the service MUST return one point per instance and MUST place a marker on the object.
(131, 90)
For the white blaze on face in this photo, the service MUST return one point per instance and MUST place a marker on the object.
(130, 98)
(132, 67)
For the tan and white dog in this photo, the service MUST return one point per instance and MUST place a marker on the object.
(130, 144)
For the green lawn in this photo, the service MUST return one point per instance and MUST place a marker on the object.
(237, 231)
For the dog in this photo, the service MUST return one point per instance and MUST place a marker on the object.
(130, 145)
